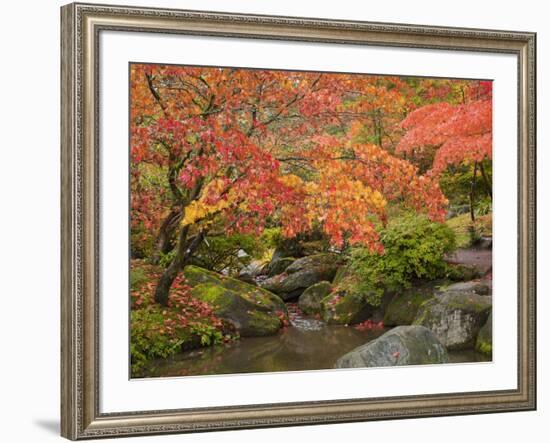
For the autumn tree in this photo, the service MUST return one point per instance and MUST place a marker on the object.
(460, 133)
(234, 148)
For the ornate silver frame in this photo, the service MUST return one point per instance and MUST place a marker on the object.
(80, 28)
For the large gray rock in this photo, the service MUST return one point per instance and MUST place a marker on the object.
(343, 308)
(479, 287)
(279, 265)
(249, 310)
(404, 345)
(404, 306)
(326, 264)
(455, 317)
(301, 246)
(302, 274)
(310, 301)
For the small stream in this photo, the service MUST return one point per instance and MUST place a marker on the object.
(307, 344)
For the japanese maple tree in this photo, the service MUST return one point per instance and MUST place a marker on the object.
(461, 133)
(232, 148)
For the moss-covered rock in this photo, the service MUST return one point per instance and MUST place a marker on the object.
(310, 301)
(302, 274)
(195, 275)
(313, 247)
(261, 324)
(279, 265)
(326, 263)
(250, 310)
(479, 287)
(484, 342)
(404, 345)
(404, 306)
(345, 309)
(459, 273)
(455, 317)
(301, 246)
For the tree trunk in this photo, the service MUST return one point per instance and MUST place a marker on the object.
(165, 239)
(167, 278)
(472, 192)
(186, 248)
(486, 181)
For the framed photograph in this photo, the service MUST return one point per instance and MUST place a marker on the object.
(275, 221)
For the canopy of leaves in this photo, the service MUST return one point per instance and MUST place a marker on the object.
(300, 150)
(462, 132)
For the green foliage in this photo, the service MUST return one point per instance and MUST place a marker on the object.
(414, 248)
(468, 233)
(166, 259)
(208, 334)
(225, 253)
(160, 331)
(141, 242)
(149, 338)
(483, 207)
(272, 238)
(137, 278)
(456, 184)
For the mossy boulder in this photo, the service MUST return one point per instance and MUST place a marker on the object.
(250, 310)
(195, 275)
(479, 287)
(404, 306)
(302, 274)
(455, 317)
(484, 342)
(313, 247)
(279, 265)
(459, 273)
(301, 246)
(325, 263)
(404, 345)
(345, 309)
(310, 301)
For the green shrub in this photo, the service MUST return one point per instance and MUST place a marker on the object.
(149, 338)
(483, 207)
(456, 183)
(152, 335)
(224, 253)
(208, 334)
(272, 237)
(414, 248)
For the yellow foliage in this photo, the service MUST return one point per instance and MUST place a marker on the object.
(292, 180)
(198, 210)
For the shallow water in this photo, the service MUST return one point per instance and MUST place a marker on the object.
(307, 344)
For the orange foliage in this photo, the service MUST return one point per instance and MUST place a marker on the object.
(244, 146)
(462, 133)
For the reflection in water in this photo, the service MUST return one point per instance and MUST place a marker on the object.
(307, 344)
(468, 356)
